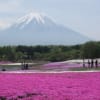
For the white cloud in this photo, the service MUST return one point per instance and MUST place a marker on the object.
(8, 9)
(9, 5)
(4, 24)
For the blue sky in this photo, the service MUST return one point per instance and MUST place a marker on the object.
(80, 15)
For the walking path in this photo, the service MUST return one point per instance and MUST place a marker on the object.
(37, 71)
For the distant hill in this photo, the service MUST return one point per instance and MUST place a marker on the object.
(38, 29)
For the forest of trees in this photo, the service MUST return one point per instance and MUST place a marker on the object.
(50, 53)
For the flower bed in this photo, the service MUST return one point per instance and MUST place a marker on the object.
(62, 66)
(50, 86)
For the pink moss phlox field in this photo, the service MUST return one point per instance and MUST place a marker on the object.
(61, 65)
(50, 86)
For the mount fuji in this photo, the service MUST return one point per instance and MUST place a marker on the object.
(39, 29)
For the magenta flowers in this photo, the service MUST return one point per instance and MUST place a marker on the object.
(50, 86)
(61, 66)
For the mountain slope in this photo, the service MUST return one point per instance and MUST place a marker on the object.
(38, 29)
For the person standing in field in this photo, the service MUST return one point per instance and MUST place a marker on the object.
(96, 63)
(92, 63)
(89, 63)
(83, 63)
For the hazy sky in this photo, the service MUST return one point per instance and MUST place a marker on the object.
(80, 15)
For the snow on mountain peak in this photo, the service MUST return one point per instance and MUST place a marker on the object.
(38, 17)
(34, 18)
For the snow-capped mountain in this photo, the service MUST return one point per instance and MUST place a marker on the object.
(34, 17)
(39, 29)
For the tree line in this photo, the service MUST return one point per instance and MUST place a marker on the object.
(52, 53)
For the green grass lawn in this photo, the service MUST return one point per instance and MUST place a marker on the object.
(36, 66)
(83, 69)
(10, 67)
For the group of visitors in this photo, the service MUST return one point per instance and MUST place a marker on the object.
(92, 63)
(25, 66)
